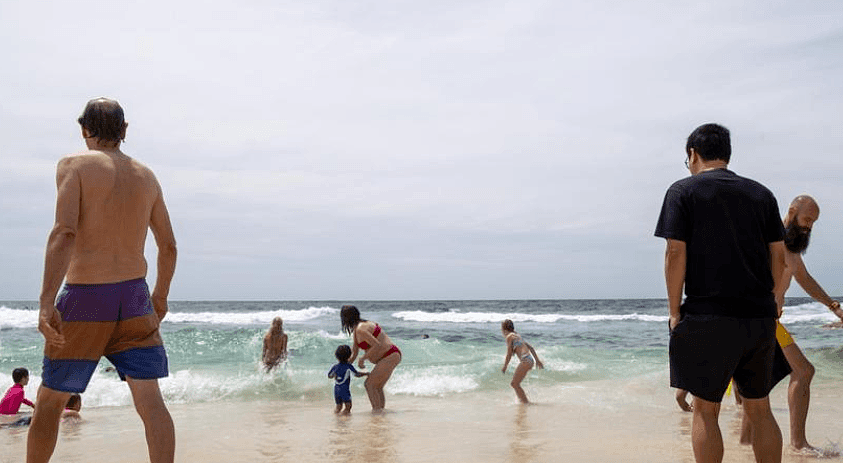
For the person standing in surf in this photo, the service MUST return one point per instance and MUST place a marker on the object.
(801, 215)
(725, 249)
(274, 345)
(516, 345)
(378, 348)
(106, 203)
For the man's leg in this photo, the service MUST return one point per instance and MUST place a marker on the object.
(766, 435)
(41, 440)
(705, 432)
(160, 433)
(798, 394)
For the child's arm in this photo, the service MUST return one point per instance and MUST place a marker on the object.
(332, 373)
(509, 351)
(359, 373)
(24, 400)
(539, 363)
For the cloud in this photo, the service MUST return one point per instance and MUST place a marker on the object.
(435, 150)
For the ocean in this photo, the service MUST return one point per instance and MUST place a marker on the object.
(450, 348)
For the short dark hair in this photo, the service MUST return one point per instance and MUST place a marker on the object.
(19, 374)
(103, 119)
(711, 142)
(350, 317)
(343, 353)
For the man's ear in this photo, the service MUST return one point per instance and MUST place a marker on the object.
(123, 132)
(85, 133)
(792, 211)
(692, 153)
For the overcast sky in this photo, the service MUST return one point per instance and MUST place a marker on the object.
(420, 150)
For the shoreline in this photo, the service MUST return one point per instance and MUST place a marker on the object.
(586, 422)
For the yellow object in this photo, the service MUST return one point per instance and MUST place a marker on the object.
(783, 336)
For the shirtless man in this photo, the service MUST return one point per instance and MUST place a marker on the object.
(798, 222)
(274, 345)
(106, 202)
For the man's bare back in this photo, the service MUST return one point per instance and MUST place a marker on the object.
(122, 199)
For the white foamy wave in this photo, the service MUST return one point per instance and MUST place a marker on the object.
(564, 365)
(249, 318)
(18, 318)
(106, 390)
(430, 385)
(806, 306)
(487, 317)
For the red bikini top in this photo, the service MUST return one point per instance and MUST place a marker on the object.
(365, 345)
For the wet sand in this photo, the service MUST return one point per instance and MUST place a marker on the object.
(633, 421)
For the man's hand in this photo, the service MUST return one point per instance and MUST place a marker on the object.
(49, 324)
(159, 304)
(672, 321)
(360, 363)
(836, 310)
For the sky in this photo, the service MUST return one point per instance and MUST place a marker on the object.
(365, 150)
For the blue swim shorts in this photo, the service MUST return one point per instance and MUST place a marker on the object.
(114, 320)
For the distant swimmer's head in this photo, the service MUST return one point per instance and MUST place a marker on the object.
(343, 353)
(74, 402)
(708, 142)
(799, 222)
(350, 318)
(277, 324)
(103, 120)
(507, 326)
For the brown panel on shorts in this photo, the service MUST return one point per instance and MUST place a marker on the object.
(133, 333)
(82, 341)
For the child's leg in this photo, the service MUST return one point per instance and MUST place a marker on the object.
(347, 408)
(339, 407)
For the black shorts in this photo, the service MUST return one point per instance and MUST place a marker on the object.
(706, 351)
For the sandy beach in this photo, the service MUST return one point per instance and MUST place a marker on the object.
(585, 422)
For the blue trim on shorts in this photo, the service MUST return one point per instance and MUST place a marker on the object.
(67, 375)
(141, 363)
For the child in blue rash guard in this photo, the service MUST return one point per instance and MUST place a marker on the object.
(341, 373)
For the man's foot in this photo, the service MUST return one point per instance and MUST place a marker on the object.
(811, 451)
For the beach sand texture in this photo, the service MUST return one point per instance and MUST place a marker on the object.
(598, 421)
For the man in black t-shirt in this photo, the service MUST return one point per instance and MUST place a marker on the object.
(724, 246)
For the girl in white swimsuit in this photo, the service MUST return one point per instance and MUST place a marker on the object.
(516, 345)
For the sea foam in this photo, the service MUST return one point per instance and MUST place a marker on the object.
(249, 318)
(487, 317)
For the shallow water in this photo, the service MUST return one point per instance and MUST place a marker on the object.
(214, 347)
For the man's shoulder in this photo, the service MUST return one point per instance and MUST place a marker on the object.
(93, 157)
(745, 179)
(684, 184)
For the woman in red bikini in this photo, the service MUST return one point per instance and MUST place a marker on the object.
(378, 348)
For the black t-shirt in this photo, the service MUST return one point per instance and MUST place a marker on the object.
(727, 223)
